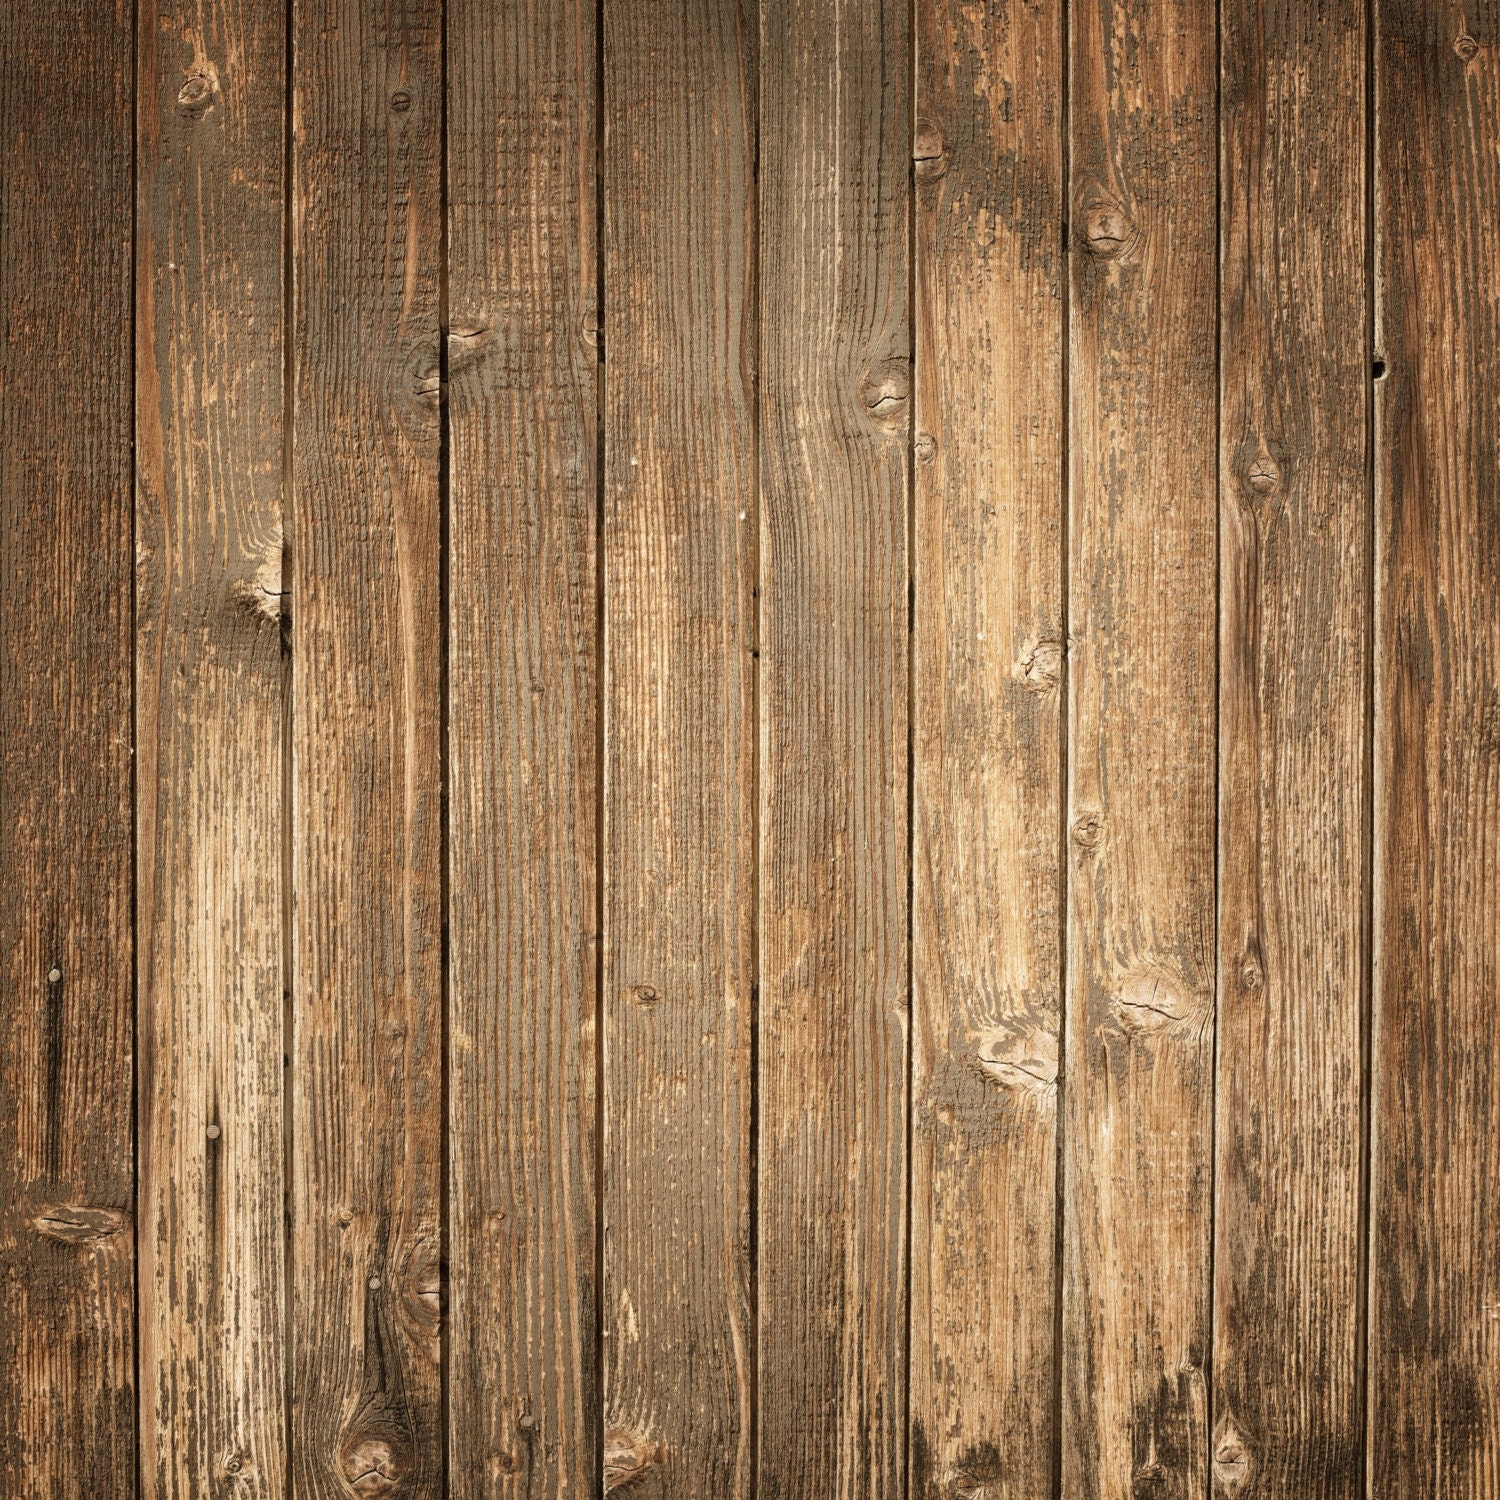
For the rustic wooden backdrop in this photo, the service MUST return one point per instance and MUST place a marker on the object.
(750, 749)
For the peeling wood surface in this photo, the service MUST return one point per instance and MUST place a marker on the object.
(749, 749)
(210, 378)
(366, 815)
(988, 699)
(1142, 630)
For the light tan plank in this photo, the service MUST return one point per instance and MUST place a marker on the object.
(988, 661)
(679, 559)
(835, 169)
(367, 776)
(1141, 796)
(209, 714)
(1294, 620)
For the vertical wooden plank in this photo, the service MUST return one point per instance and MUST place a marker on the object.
(987, 727)
(836, 350)
(1435, 1296)
(1287, 1415)
(1141, 757)
(210, 380)
(367, 779)
(679, 560)
(67, 1400)
(523, 373)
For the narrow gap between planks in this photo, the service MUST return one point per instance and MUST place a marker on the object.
(1367, 912)
(752, 1217)
(1064, 791)
(1218, 451)
(288, 667)
(135, 739)
(445, 586)
(912, 250)
(596, 1417)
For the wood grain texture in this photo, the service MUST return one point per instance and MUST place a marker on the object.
(209, 671)
(835, 173)
(523, 720)
(1435, 1268)
(679, 569)
(367, 777)
(987, 730)
(1294, 620)
(67, 1356)
(1141, 755)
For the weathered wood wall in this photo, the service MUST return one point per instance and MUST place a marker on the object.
(784, 777)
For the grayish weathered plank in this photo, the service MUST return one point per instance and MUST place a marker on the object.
(523, 766)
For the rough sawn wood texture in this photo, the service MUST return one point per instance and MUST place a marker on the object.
(749, 748)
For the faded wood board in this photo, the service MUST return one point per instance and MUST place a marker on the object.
(1435, 1257)
(679, 567)
(1294, 618)
(366, 1142)
(67, 1294)
(523, 723)
(835, 148)
(987, 744)
(210, 379)
(1141, 756)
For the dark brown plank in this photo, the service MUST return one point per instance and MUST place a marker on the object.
(67, 1356)
(1294, 619)
(523, 674)
(1141, 925)
(679, 560)
(209, 714)
(1435, 1296)
(987, 728)
(367, 777)
(835, 170)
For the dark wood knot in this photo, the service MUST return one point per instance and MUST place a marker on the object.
(628, 1456)
(195, 97)
(371, 1466)
(1252, 973)
(1040, 666)
(1231, 1458)
(1107, 230)
(79, 1224)
(929, 152)
(885, 393)
(1088, 828)
(1151, 1001)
